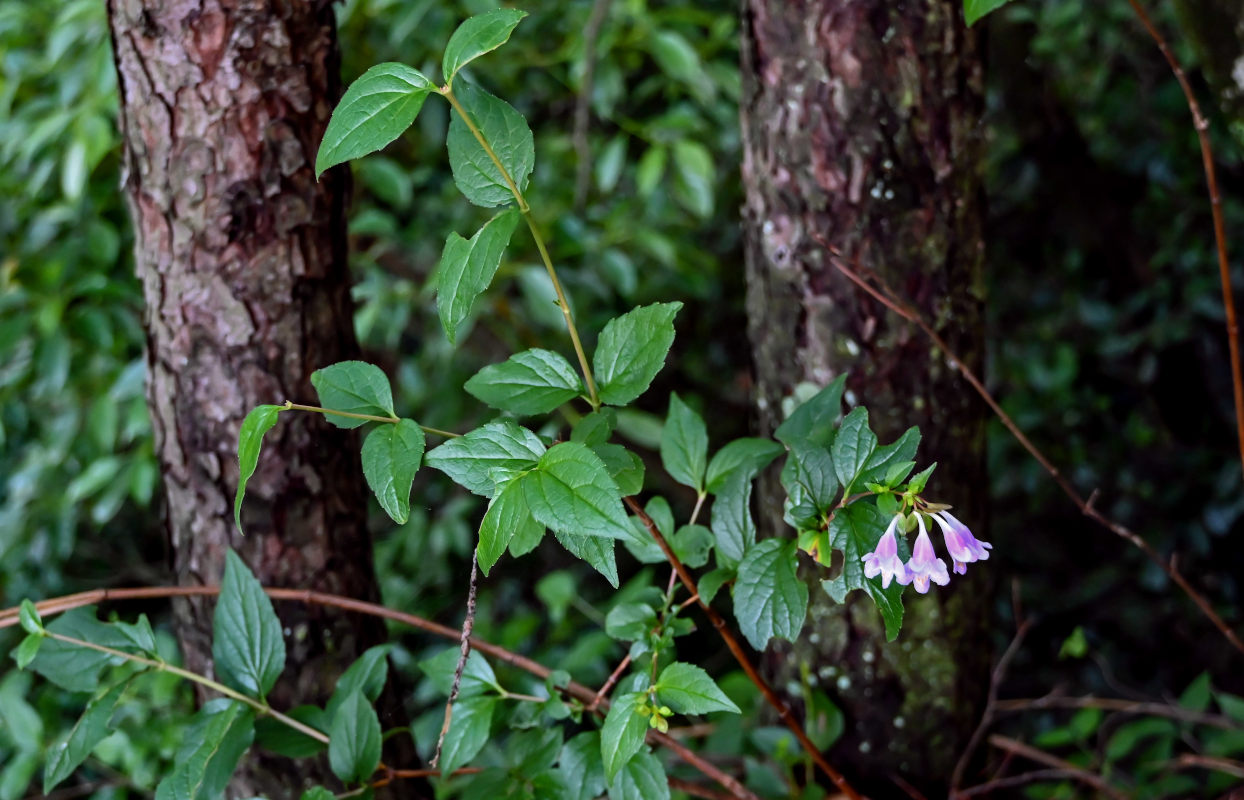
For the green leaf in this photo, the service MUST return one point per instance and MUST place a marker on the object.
(711, 582)
(769, 598)
(571, 492)
(693, 177)
(90, 729)
(531, 382)
(853, 446)
(247, 646)
(279, 738)
(366, 676)
(623, 732)
(525, 539)
(692, 544)
(506, 518)
(75, 668)
(890, 604)
(477, 675)
(632, 350)
(28, 649)
(211, 748)
(810, 482)
(650, 170)
(580, 766)
(391, 457)
(855, 530)
(689, 690)
(354, 739)
(748, 456)
(28, 617)
(467, 268)
(317, 793)
(471, 460)
(597, 552)
(732, 522)
(468, 731)
(684, 445)
(886, 459)
(355, 387)
(250, 439)
(625, 467)
(975, 9)
(629, 622)
(139, 634)
(643, 778)
(595, 428)
(476, 36)
(505, 130)
(679, 60)
(375, 110)
(921, 479)
(813, 422)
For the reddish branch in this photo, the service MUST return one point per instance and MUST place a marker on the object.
(1042, 757)
(584, 694)
(991, 706)
(1215, 203)
(890, 300)
(783, 710)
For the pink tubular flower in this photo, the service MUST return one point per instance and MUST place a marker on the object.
(924, 564)
(964, 548)
(884, 561)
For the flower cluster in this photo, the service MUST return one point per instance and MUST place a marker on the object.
(924, 565)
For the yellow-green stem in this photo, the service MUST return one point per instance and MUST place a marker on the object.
(369, 417)
(260, 707)
(525, 210)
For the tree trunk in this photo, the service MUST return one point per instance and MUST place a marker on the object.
(242, 255)
(861, 124)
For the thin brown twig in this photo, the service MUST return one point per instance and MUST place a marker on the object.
(1041, 757)
(1023, 779)
(1201, 124)
(585, 694)
(464, 652)
(991, 705)
(890, 300)
(1196, 760)
(613, 678)
(783, 710)
(1120, 706)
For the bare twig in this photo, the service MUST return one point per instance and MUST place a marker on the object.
(1201, 124)
(464, 652)
(1119, 706)
(740, 655)
(1023, 779)
(583, 103)
(613, 678)
(890, 300)
(1042, 757)
(1195, 760)
(991, 705)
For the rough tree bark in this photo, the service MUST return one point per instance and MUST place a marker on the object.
(242, 255)
(861, 123)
